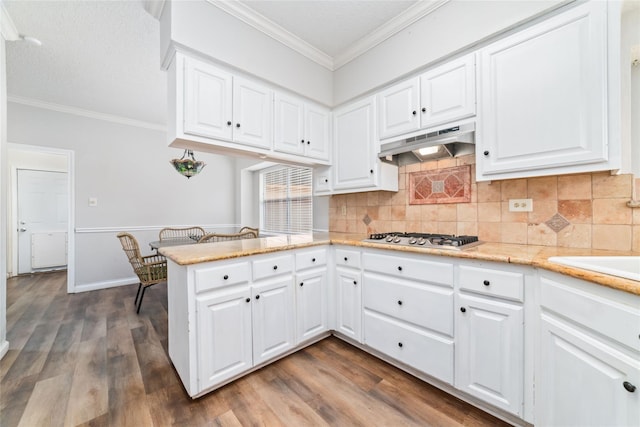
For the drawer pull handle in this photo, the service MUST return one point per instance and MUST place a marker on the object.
(248, 300)
(226, 277)
(275, 267)
(301, 283)
(486, 283)
(257, 296)
(399, 268)
(400, 344)
(399, 302)
(629, 387)
(313, 260)
(462, 309)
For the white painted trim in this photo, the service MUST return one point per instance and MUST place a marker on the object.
(251, 17)
(4, 348)
(94, 286)
(7, 27)
(85, 113)
(388, 29)
(71, 192)
(90, 230)
(154, 7)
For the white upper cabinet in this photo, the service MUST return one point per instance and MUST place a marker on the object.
(207, 100)
(252, 113)
(544, 98)
(301, 128)
(356, 165)
(440, 95)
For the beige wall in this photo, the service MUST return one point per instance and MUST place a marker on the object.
(594, 204)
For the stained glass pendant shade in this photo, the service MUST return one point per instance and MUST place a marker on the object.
(187, 165)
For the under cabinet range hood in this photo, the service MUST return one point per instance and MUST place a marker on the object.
(450, 142)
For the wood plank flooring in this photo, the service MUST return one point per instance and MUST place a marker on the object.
(88, 360)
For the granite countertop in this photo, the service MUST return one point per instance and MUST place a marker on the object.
(536, 256)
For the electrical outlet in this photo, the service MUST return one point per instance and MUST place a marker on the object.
(520, 205)
(344, 209)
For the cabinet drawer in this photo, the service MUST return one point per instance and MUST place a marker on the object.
(427, 353)
(426, 306)
(226, 275)
(410, 268)
(272, 266)
(504, 284)
(348, 258)
(611, 319)
(308, 259)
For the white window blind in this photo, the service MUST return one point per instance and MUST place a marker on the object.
(286, 200)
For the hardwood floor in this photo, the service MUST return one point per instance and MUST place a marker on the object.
(88, 360)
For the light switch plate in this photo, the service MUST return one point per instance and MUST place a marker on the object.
(520, 205)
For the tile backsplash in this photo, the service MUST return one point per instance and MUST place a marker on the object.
(580, 211)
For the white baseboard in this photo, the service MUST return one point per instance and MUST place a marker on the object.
(106, 284)
(4, 348)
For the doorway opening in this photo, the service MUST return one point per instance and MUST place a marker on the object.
(41, 211)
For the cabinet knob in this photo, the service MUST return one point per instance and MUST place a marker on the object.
(229, 123)
(275, 267)
(424, 110)
(462, 309)
(313, 260)
(248, 300)
(629, 387)
(302, 141)
(257, 296)
(414, 112)
(308, 142)
(226, 276)
(370, 170)
(486, 152)
(400, 344)
(345, 259)
(301, 283)
(237, 125)
(399, 302)
(486, 283)
(399, 268)
(355, 282)
(326, 180)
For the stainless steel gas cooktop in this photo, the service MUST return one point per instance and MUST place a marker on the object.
(426, 240)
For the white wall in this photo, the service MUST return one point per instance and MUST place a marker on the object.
(451, 28)
(630, 80)
(205, 28)
(127, 169)
(4, 345)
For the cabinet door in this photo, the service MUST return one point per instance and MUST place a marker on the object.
(311, 304)
(398, 109)
(584, 382)
(317, 131)
(252, 113)
(349, 303)
(489, 351)
(223, 336)
(207, 100)
(448, 92)
(289, 128)
(543, 97)
(355, 145)
(273, 318)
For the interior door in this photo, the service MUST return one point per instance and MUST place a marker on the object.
(42, 220)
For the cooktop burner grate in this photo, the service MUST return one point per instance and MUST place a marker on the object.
(431, 240)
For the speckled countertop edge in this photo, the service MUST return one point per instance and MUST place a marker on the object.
(535, 256)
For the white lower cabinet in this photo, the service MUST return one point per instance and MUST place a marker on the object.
(224, 335)
(311, 294)
(589, 366)
(349, 303)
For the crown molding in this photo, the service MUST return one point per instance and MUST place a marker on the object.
(154, 7)
(387, 30)
(85, 113)
(7, 27)
(251, 17)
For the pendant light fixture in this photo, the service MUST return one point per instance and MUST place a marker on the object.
(187, 165)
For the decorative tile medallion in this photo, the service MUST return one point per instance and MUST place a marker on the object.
(448, 185)
(557, 222)
(366, 219)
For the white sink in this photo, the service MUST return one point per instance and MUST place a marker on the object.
(621, 266)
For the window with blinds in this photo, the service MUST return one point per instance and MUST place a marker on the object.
(286, 200)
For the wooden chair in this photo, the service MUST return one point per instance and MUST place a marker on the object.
(150, 269)
(221, 237)
(256, 231)
(185, 233)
